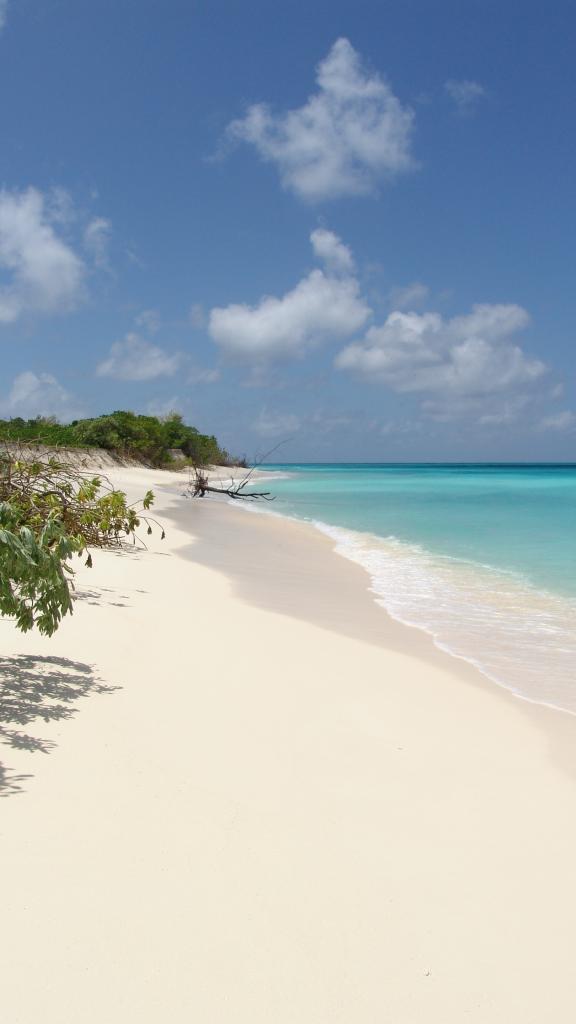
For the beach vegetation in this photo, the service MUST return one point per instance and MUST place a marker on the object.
(148, 439)
(52, 512)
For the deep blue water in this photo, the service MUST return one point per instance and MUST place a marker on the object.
(481, 556)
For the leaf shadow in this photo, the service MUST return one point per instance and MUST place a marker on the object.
(39, 688)
(97, 597)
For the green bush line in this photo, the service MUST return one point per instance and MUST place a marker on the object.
(147, 438)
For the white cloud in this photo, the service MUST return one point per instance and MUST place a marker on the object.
(351, 134)
(329, 250)
(34, 394)
(3, 13)
(464, 93)
(409, 297)
(137, 359)
(59, 207)
(97, 240)
(320, 307)
(462, 363)
(560, 421)
(39, 271)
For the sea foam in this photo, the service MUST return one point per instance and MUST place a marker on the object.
(521, 637)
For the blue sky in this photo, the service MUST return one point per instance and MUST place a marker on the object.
(345, 224)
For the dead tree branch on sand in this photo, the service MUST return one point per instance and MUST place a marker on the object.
(199, 483)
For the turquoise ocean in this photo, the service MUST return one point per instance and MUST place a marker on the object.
(482, 557)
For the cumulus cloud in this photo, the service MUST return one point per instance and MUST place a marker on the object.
(350, 134)
(39, 271)
(3, 13)
(330, 251)
(137, 359)
(560, 421)
(464, 93)
(325, 304)
(459, 365)
(409, 297)
(97, 236)
(34, 394)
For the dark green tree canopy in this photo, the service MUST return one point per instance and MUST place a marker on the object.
(146, 438)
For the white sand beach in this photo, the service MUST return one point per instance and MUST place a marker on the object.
(273, 804)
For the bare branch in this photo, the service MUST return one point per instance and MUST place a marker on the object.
(199, 482)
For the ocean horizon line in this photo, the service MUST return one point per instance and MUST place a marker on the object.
(416, 462)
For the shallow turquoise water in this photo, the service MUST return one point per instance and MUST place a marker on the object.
(481, 556)
(519, 518)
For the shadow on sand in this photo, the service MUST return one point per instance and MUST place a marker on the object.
(36, 687)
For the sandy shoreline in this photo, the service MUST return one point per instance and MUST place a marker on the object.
(291, 809)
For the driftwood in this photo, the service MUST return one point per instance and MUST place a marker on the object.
(199, 485)
(199, 482)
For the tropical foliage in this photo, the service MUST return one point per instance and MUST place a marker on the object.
(51, 511)
(147, 438)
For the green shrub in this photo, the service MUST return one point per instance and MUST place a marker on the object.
(146, 438)
(50, 512)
